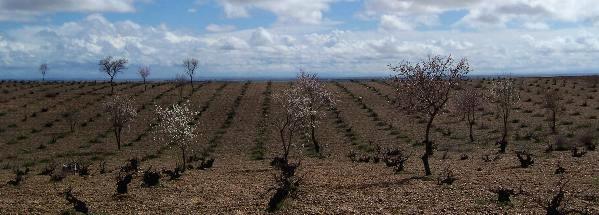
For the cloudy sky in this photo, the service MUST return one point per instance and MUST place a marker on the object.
(273, 38)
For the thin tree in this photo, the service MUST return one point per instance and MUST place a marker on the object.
(121, 111)
(144, 72)
(176, 127)
(180, 81)
(71, 118)
(318, 99)
(112, 67)
(425, 87)
(505, 95)
(467, 102)
(44, 69)
(190, 65)
(290, 120)
(553, 104)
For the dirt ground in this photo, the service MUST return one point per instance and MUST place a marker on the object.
(236, 123)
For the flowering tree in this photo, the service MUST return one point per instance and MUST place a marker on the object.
(505, 95)
(290, 119)
(44, 69)
(554, 106)
(144, 72)
(176, 127)
(112, 67)
(467, 102)
(424, 88)
(317, 98)
(190, 65)
(121, 111)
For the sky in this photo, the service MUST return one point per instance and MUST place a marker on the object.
(274, 38)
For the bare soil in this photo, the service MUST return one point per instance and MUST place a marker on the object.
(35, 133)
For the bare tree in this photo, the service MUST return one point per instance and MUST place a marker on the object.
(190, 65)
(44, 69)
(176, 127)
(505, 95)
(553, 104)
(112, 67)
(318, 98)
(424, 88)
(467, 102)
(121, 111)
(180, 81)
(144, 72)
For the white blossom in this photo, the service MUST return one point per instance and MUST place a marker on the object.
(176, 126)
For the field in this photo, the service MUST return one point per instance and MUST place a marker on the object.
(235, 129)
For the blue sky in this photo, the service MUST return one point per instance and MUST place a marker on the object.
(273, 38)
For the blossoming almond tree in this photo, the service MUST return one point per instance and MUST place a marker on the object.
(425, 87)
(121, 111)
(317, 99)
(176, 127)
(289, 120)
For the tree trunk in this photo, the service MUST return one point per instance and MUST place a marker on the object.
(191, 82)
(111, 86)
(117, 135)
(181, 92)
(553, 122)
(471, 136)
(504, 135)
(470, 121)
(283, 143)
(184, 158)
(427, 168)
(145, 86)
(314, 141)
(428, 147)
(503, 142)
(429, 150)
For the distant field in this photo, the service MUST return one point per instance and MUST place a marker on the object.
(235, 129)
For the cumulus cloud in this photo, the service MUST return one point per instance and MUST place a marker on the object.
(219, 28)
(301, 11)
(261, 37)
(20, 10)
(531, 14)
(278, 49)
(391, 23)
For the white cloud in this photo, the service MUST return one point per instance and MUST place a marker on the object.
(301, 11)
(21, 10)
(261, 37)
(231, 43)
(391, 23)
(220, 28)
(279, 49)
(482, 14)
